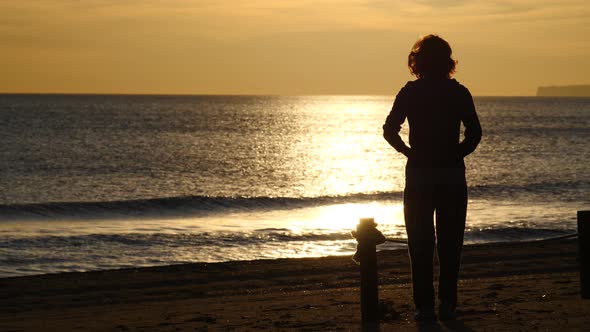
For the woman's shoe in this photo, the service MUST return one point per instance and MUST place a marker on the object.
(424, 315)
(446, 311)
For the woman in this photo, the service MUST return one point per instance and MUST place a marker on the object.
(435, 106)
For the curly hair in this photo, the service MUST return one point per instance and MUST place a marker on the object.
(431, 57)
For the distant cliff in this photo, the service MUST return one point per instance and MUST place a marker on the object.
(564, 91)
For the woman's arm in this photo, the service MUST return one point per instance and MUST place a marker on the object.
(472, 126)
(394, 121)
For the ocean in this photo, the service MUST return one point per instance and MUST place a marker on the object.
(90, 182)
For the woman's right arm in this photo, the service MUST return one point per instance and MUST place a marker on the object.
(473, 130)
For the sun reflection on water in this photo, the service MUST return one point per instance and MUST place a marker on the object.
(345, 217)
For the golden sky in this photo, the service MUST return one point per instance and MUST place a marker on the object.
(285, 46)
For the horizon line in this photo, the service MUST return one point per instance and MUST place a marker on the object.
(237, 94)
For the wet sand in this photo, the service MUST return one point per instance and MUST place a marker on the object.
(512, 286)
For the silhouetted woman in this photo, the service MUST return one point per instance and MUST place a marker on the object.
(435, 106)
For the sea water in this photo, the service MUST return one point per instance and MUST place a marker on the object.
(108, 181)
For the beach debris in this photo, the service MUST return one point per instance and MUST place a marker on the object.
(387, 311)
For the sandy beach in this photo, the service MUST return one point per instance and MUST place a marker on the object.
(510, 286)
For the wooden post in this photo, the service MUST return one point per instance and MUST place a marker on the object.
(368, 237)
(584, 252)
(369, 291)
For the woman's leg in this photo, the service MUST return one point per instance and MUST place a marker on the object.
(451, 211)
(418, 215)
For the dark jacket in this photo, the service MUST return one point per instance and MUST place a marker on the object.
(435, 109)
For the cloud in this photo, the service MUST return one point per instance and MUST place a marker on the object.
(224, 37)
(243, 18)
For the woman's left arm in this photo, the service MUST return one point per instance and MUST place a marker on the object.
(394, 121)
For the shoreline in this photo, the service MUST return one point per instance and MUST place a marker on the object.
(393, 244)
(505, 286)
(402, 243)
(196, 265)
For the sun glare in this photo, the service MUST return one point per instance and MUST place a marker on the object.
(345, 217)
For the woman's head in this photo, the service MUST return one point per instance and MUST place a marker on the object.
(431, 57)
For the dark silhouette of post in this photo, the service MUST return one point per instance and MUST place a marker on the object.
(369, 288)
(584, 252)
(368, 237)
